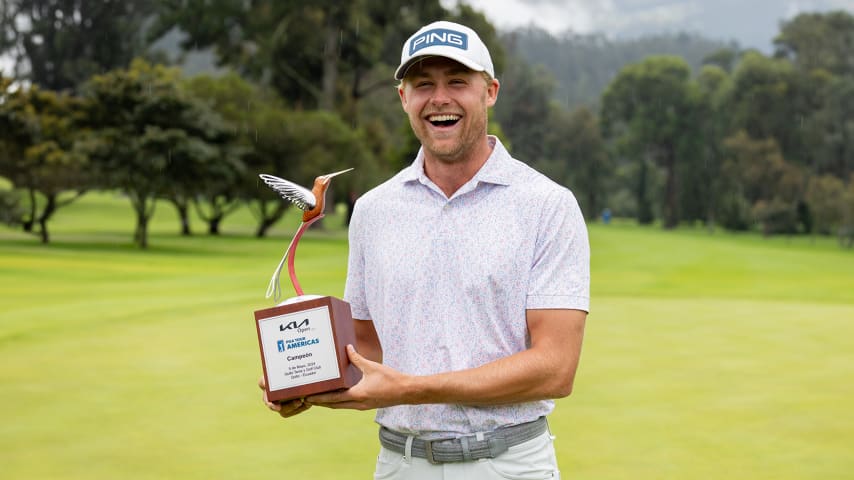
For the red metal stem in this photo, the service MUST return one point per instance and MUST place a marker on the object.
(293, 250)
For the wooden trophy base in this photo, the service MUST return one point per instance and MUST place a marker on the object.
(303, 344)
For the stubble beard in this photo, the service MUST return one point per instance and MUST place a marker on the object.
(455, 152)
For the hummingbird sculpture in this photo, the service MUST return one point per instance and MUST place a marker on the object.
(312, 202)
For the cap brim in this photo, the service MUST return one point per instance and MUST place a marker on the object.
(425, 54)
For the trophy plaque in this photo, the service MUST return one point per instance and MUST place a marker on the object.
(304, 340)
(303, 347)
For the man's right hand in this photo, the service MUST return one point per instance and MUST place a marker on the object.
(285, 409)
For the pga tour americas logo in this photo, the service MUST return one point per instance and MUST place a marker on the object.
(439, 36)
(301, 327)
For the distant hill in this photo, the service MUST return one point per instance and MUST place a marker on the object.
(583, 65)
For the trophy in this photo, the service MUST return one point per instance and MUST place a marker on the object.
(303, 339)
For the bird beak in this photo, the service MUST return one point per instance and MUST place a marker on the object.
(330, 175)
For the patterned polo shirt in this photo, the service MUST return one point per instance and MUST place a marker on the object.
(447, 281)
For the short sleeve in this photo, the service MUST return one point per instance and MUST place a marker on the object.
(560, 270)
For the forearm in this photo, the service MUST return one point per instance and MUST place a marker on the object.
(367, 342)
(526, 376)
(545, 370)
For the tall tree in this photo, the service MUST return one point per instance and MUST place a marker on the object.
(237, 101)
(61, 43)
(818, 45)
(147, 133)
(192, 158)
(700, 175)
(38, 131)
(825, 197)
(770, 99)
(294, 46)
(832, 130)
(818, 41)
(655, 103)
(524, 104)
(325, 54)
(577, 158)
(755, 173)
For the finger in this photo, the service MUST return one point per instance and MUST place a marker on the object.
(356, 359)
(328, 398)
(296, 411)
(271, 405)
(261, 383)
(287, 407)
(343, 405)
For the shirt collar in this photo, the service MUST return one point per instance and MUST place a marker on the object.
(496, 169)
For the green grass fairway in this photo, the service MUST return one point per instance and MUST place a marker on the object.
(706, 356)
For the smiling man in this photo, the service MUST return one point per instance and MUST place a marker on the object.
(469, 279)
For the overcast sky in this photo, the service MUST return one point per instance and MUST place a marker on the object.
(753, 23)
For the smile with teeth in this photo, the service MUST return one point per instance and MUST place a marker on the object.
(444, 119)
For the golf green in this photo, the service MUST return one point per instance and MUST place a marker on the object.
(706, 356)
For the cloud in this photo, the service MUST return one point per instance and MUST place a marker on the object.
(795, 7)
(584, 16)
(753, 23)
(644, 16)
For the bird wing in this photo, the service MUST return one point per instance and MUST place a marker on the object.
(299, 196)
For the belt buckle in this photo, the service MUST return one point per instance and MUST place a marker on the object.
(428, 452)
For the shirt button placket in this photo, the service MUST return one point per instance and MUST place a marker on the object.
(445, 221)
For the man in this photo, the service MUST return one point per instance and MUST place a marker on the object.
(469, 277)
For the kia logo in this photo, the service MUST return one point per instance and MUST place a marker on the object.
(293, 325)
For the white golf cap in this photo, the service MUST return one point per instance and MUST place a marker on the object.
(449, 40)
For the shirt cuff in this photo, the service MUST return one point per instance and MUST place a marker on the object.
(566, 302)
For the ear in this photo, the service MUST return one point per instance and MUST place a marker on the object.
(492, 92)
(401, 92)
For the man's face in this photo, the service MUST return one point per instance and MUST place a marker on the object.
(447, 107)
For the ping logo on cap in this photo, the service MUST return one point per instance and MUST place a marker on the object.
(439, 36)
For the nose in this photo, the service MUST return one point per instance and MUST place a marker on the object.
(440, 95)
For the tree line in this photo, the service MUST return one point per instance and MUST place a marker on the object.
(744, 142)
